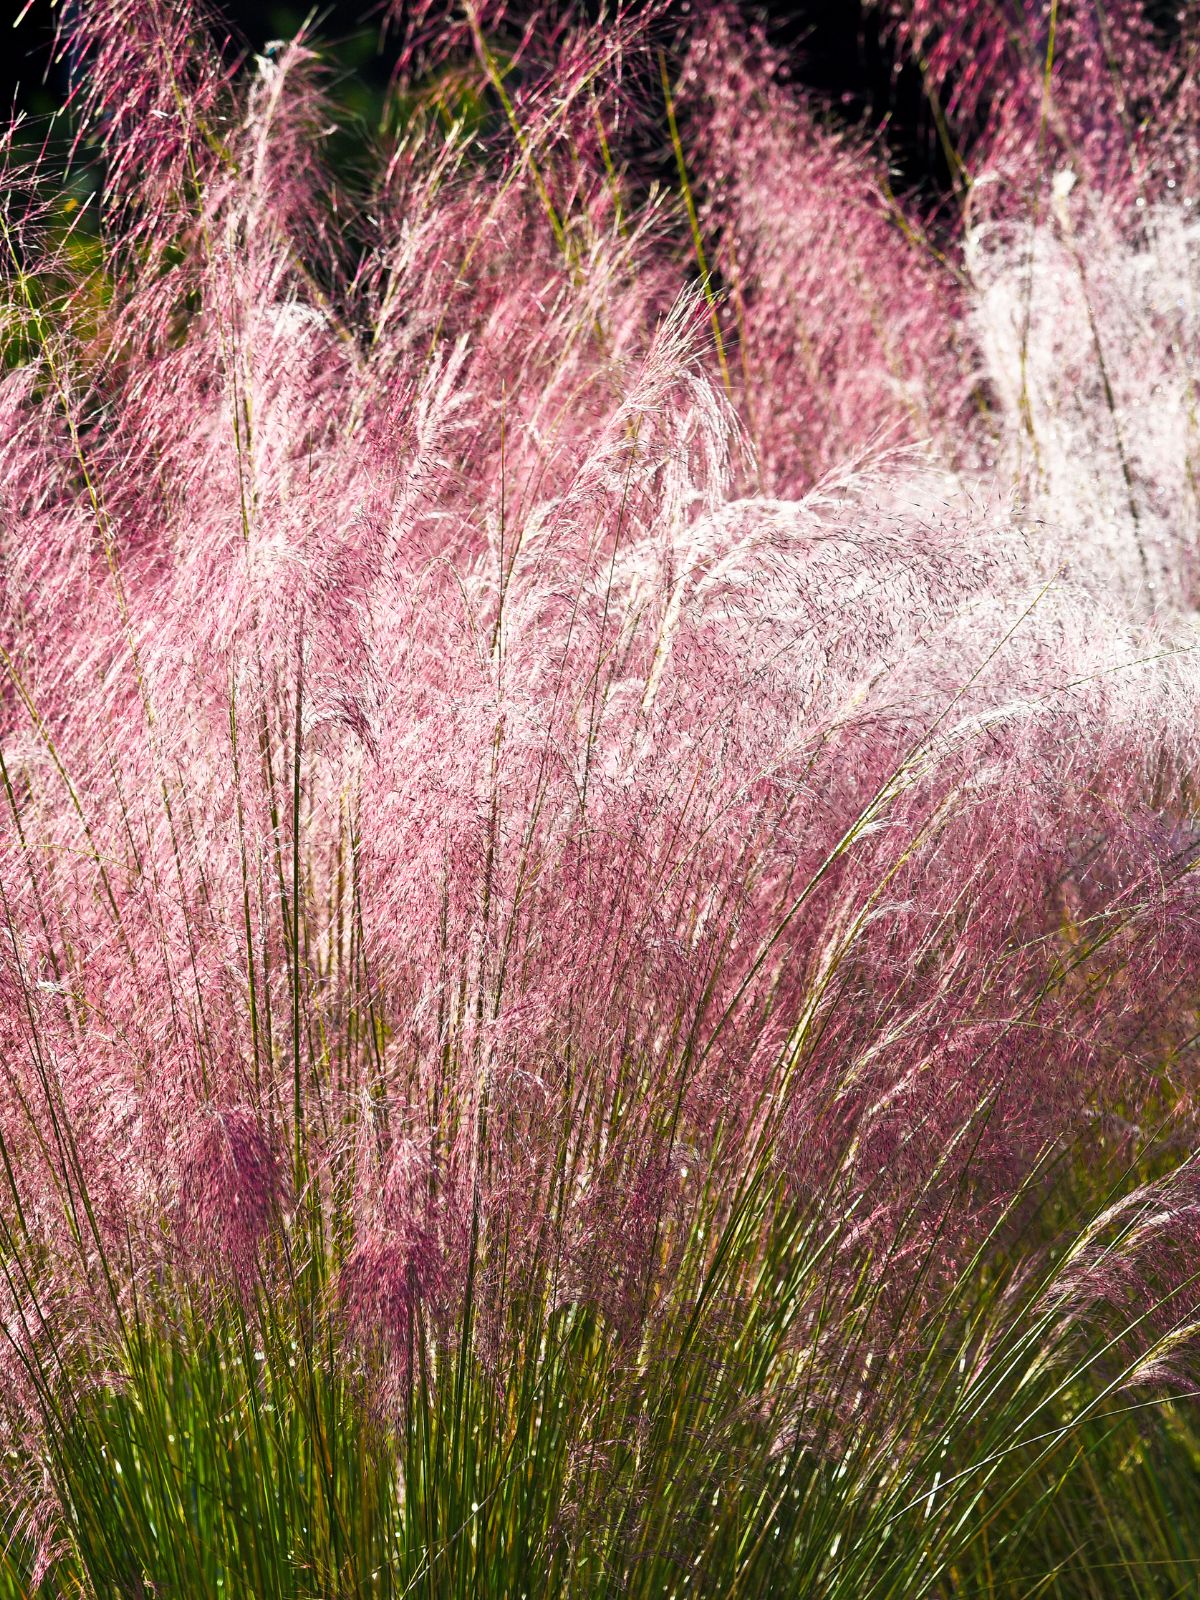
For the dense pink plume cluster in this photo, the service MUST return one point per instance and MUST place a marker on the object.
(846, 329)
(1026, 86)
(475, 754)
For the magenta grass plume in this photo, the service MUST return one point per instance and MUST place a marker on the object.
(549, 701)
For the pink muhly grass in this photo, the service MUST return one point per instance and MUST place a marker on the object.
(827, 362)
(482, 788)
(1023, 87)
(228, 1190)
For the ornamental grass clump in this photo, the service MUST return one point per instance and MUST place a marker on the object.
(600, 937)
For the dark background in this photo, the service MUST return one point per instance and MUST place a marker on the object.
(834, 48)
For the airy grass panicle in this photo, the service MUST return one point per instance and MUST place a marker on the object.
(600, 940)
